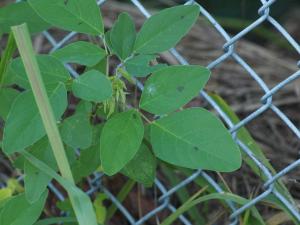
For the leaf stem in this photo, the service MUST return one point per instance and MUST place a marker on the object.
(144, 117)
(107, 53)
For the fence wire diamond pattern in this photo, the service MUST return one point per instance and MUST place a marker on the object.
(163, 201)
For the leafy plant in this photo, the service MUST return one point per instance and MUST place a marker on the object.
(114, 135)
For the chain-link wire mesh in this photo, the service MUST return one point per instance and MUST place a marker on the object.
(163, 202)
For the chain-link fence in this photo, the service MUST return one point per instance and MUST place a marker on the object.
(163, 202)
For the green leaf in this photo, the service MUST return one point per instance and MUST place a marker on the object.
(142, 167)
(120, 140)
(74, 15)
(123, 36)
(89, 159)
(24, 125)
(76, 131)
(6, 56)
(25, 14)
(108, 41)
(7, 97)
(80, 52)
(18, 211)
(138, 66)
(81, 203)
(42, 151)
(172, 87)
(35, 182)
(194, 138)
(87, 163)
(56, 220)
(92, 86)
(100, 66)
(164, 30)
(52, 71)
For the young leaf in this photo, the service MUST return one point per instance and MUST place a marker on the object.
(120, 140)
(74, 15)
(123, 35)
(7, 97)
(164, 30)
(142, 167)
(5, 194)
(27, 214)
(80, 52)
(138, 66)
(194, 138)
(92, 86)
(25, 14)
(100, 208)
(52, 71)
(24, 125)
(172, 87)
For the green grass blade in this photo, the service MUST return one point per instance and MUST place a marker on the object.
(219, 196)
(182, 194)
(27, 53)
(81, 207)
(244, 135)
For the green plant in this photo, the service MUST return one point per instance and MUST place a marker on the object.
(114, 134)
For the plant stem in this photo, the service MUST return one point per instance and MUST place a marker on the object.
(6, 56)
(107, 53)
(27, 53)
(144, 117)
